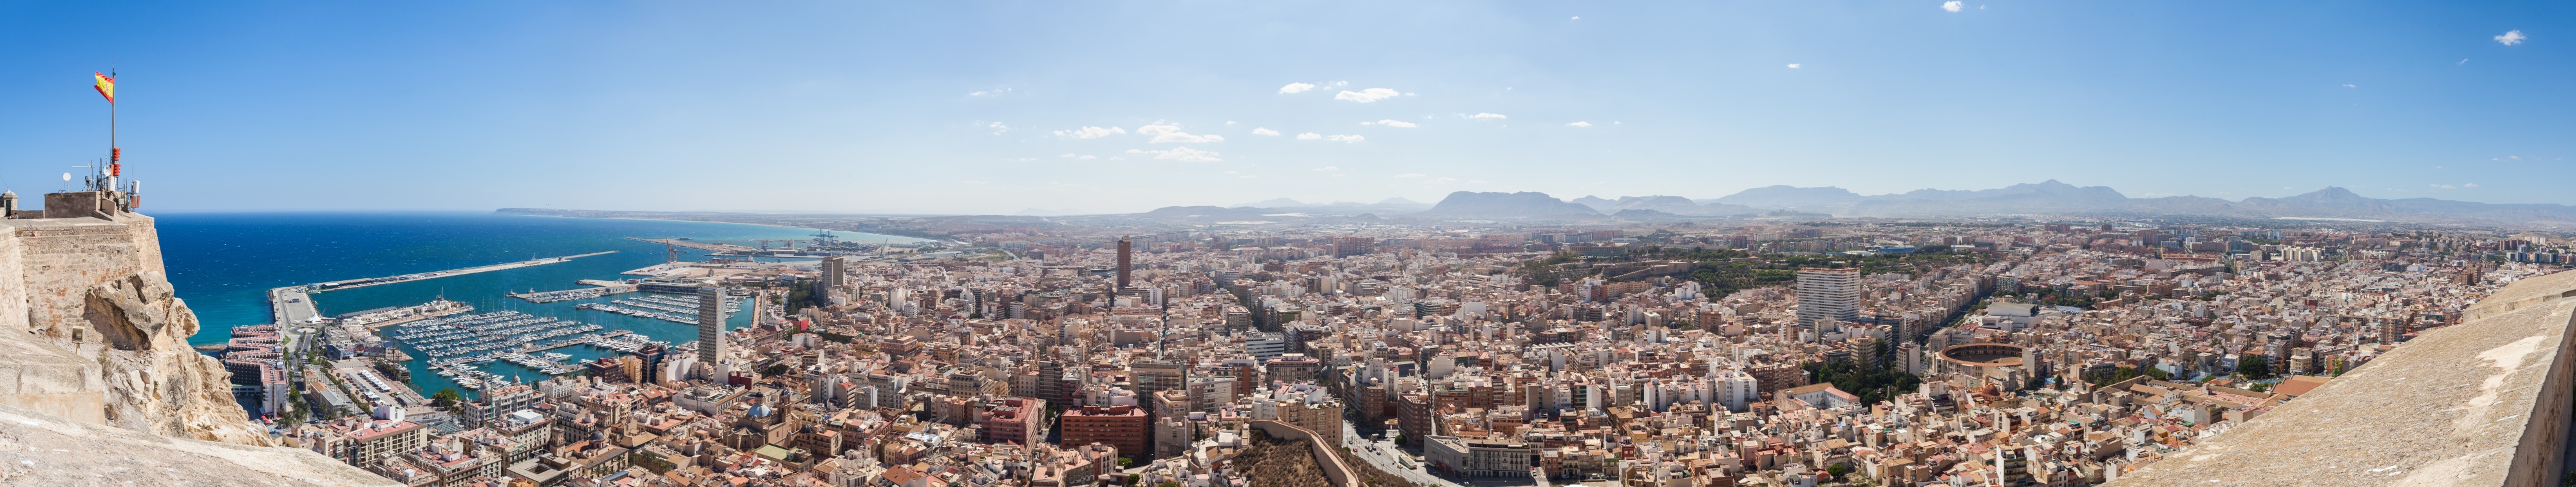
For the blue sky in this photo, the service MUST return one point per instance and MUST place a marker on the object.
(876, 107)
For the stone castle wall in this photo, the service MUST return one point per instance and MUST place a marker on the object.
(90, 331)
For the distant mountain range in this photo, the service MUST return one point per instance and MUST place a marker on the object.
(1389, 206)
(2043, 198)
(1674, 205)
(1526, 205)
(2057, 198)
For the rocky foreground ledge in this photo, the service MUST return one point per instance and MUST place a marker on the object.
(40, 449)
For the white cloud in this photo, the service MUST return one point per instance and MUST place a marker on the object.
(1793, 65)
(1296, 88)
(991, 92)
(1309, 136)
(1953, 6)
(1089, 132)
(1172, 134)
(1408, 175)
(1577, 17)
(2463, 62)
(1367, 95)
(1579, 124)
(998, 128)
(1393, 123)
(1229, 123)
(1328, 169)
(2510, 37)
(1264, 131)
(1345, 138)
(1078, 157)
(2349, 85)
(2443, 186)
(1183, 154)
(2469, 185)
(1483, 116)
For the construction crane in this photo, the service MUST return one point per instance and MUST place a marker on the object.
(764, 243)
(674, 250)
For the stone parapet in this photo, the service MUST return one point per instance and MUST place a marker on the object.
(2484, 402)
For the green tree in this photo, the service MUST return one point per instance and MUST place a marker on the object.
(1874, 383)
(2254, 367)
(1838, 471)
(447, 398)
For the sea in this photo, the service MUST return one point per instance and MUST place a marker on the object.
(223, 264)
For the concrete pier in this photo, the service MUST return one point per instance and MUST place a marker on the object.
(379, 281)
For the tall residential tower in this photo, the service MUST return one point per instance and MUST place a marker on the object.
(1828, 294)
(1124, 265)
(711, 324)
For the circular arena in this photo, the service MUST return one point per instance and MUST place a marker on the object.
(1983, 355)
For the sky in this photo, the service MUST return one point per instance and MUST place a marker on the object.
(1005, 107)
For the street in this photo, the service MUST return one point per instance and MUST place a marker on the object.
(1386, 455)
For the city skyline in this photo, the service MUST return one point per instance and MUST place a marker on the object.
(983, 109)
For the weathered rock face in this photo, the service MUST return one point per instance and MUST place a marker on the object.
(90, 332)
(43, 449)
(97, 383)
(154, 381)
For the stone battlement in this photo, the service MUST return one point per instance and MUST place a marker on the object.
(2484, 402)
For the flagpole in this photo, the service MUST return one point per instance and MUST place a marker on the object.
(101, 182)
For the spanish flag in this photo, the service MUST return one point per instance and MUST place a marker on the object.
(106, 86)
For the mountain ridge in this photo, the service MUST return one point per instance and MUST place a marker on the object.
(2045, 197)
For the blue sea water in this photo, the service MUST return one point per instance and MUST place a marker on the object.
(223, 265)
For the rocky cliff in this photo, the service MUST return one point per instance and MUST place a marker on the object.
(91, 334)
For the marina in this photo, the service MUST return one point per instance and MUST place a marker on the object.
(660, 307)
(352, 327)
(458, 346)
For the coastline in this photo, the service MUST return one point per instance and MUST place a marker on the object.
(927, 239)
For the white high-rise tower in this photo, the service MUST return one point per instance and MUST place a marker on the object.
(1828, 294)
